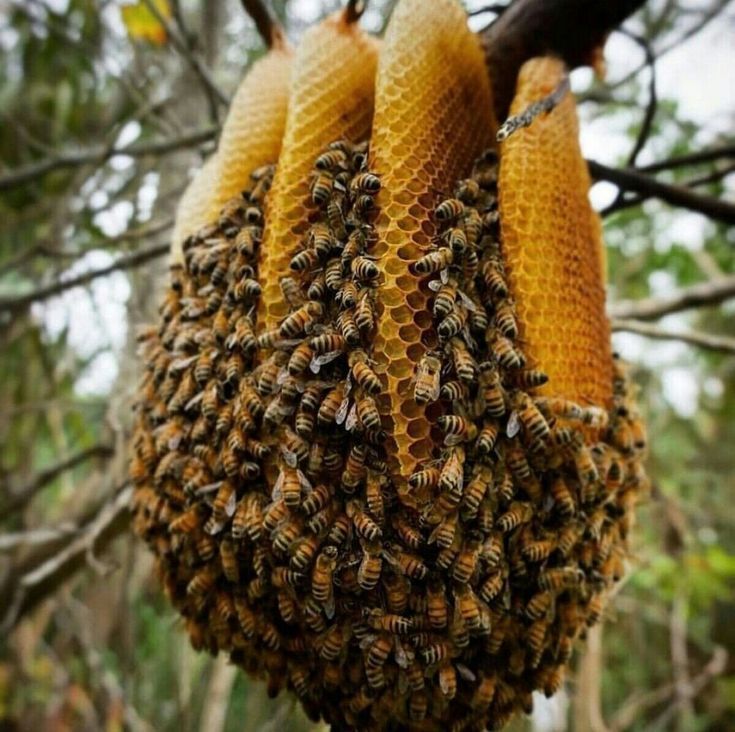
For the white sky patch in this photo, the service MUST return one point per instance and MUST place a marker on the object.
(128, 134)
(681, 390)
(95, 320)
(147, 194)
(114, 220)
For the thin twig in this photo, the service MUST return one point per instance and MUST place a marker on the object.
(42, 249)
(212, 91)
(15, 303)
(101, 154)
(695, 158)
(632, 180)
(45, 577)
(635, 200)
(711, 292)
(269, 29)
(722, 344)
(16, 500)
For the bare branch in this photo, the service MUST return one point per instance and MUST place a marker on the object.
(213, 92)
(18, 499)
(268, 27)
(722, 344)
(59, 564)
(42, 248)
(101, 154)
(705, 293)
(571, 29)
(14, 304)
(695, 158)
(354, 10)
(632, 180)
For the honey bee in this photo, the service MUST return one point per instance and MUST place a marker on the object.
(504, 352)
(537, 551)
(485, 691)
(332, 642)
(477, 488)
(304, 260)
(560, 578)
(331, 159)
(517, 514)
(586, 470)
(428, 373)
(449, 210)
(418, 706)
(492, 586)
(321, 187)
(448, 680)
(433, 262)
(378, 619)
(426, 478)
(436, 652)
(329, 342)
(247, 619)
(202, 582)
(348, 327)
(364, 525)
(365, 183)
(397, 589)
(367, 413)
(487, 438)
(454, 391)
(321, 240)
(329, 408)
(316, 500)
(456, 429)
(408, 564)
(322, 574)
(364, 313)
(451, 479)
(274, 514)
(445, 297)
(301, 320)
(492, 392)
(410, 535)
(225, 501)
(303, 552)
(340, 530)
(457, 240)
(187, 522)
(467, 560)
(364, 269)
(529, 378)
(300, 359)
(292, 292)
(363, 375)
(437, 608)
(347, 295)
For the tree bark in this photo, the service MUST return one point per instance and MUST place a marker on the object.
(571, 29)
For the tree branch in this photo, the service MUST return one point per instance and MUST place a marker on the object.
(16, 303)
(268, 27)
(571, 29)
(18, 499)
(722, 344)
(705, 293)
(101, 154)
(695, 158)
(632, 180)
(43, 577)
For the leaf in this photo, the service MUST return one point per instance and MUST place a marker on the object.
(142, 23)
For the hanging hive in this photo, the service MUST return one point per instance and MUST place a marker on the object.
(383, 457)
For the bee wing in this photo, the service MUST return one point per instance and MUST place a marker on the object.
(514, 424)
(342, 411)
(466, 673)
(329, 607)
(290, 458)
(277, 493)
(231, 504)
(351, 420)
(304, 482)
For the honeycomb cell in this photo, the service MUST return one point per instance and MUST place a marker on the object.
(553, 246)
(433, 116)
(331, 98)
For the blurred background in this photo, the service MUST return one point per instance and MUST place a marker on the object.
(107, 109)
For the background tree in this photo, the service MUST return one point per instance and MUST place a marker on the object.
(107, 110)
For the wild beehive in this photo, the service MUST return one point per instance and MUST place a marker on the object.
(383, 453)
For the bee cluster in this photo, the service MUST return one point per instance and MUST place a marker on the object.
(263, 489)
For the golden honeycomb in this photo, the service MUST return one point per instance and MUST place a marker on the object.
(433, 117)
(253, 129)
(331, 97)
(251, 137)
(553, 246)
(359, 479)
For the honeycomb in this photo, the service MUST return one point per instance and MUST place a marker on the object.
(331, 97)
(553, 246)
(359, 480)
(433, 116)
(251, 137)
(193, 210)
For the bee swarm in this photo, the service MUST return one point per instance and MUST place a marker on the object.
(271, 493)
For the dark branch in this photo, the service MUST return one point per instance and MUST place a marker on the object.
(16, 500)
(721, 344)
(571, 29)
(632, 180)
(14, 304)
(42, 574)
(652, 105)
(702, 294)
(696, 158)
(267, 26)
(101, 154)
(354, 10)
